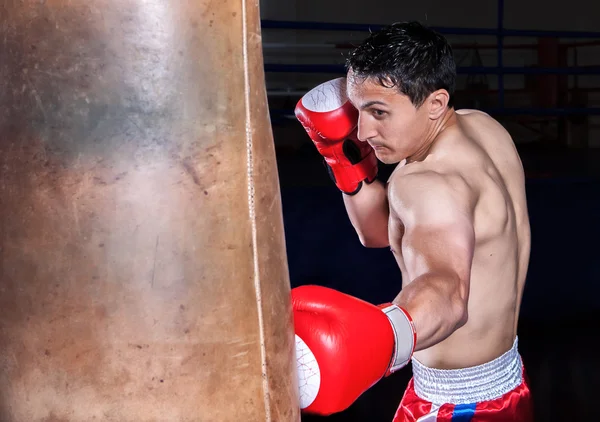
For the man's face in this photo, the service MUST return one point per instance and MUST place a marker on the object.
(388, 120)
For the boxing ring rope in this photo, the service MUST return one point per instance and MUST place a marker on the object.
(357, 27)
(500, 70)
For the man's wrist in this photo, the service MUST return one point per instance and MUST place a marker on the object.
(405, 336)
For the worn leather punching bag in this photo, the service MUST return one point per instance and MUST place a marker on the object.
(143, 272)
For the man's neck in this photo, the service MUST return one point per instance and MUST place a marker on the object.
(448, 119)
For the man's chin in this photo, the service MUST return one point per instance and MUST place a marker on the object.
(386, 156)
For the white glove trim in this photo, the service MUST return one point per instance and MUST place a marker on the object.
(405, 337)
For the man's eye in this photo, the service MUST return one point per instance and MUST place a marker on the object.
(378, 113)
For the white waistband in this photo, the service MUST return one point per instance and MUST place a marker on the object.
(469, 385)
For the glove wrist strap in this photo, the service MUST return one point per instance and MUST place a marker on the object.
(405, 336)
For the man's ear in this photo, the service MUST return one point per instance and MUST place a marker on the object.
(438, 103)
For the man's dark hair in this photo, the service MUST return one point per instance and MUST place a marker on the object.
(415, 59)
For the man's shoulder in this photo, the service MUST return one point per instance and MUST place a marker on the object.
(416, 173)
(426, 174)
(430, 196)
(420, 182)
(482, 124)
(471, 111)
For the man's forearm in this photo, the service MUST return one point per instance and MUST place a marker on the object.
(369, 214)
(437, 304)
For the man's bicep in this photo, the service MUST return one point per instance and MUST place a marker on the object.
(439, 249)
(439, 234)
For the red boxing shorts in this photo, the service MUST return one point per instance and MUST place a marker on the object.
(492, 392)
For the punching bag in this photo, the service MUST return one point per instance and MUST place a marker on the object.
(143, 273)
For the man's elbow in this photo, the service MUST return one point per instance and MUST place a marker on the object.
(460, 311)
(461, 316)
(373, 241)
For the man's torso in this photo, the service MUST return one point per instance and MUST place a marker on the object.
(478, 152)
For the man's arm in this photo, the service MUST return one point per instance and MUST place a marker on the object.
(369, 213)
(330, 121)
(335, 331)
(437, 247)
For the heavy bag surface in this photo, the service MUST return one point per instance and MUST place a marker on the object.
(143, 273)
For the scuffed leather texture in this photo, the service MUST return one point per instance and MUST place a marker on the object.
(142, 245)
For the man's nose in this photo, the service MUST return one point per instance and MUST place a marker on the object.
(365, 131)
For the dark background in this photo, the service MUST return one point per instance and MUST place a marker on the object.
(535, 67)
(560, 311)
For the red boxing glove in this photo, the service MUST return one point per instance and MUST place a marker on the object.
(330, 121)
(344, 345)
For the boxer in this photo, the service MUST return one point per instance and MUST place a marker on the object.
(454, 215)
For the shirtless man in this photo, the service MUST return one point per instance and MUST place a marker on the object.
(454, 214)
